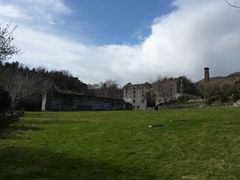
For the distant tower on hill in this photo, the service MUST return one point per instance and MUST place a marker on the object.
(206, 74)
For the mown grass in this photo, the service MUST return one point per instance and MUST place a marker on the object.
(190, 144)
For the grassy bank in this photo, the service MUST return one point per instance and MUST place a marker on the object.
(182, 144)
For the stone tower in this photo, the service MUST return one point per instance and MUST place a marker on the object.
(206, 74)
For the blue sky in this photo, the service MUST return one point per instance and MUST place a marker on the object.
(126, 40)
(115, 21)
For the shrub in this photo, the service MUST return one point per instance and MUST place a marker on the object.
(211, 100)
(31, 103)
(235, 97)
(5, 106)
(223, 98)
(182, 99)
(5, 101)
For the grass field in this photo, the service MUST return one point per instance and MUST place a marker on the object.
(186, 144)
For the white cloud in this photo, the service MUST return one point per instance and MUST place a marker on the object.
(196, 34)
(33, 11)
(11, 12)
(55, 5)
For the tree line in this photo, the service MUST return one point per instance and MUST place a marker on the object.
(26, 85)
(22, 87)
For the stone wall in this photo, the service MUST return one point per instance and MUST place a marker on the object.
(69, 102)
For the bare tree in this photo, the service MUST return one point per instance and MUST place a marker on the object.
(228, 88)
(218, 87)
(233, 3)
(208, 89)
(107, 89)
(237, 83)
(111, 89)
(18, 84)
(165, 89)
(7, 49)
(44, 85)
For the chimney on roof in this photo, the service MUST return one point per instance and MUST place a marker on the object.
(206, 74)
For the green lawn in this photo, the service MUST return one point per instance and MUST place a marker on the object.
(197, 144)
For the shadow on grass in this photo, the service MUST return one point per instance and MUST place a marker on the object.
(56, 121)
(34, 115)
(28, 163)
(13, 130)
(232, 123)
(45, 119)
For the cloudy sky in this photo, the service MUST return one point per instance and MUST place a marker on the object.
(124, 40)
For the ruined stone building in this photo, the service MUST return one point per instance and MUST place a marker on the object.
(137, 95)
(165, 90)
(142, 96)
